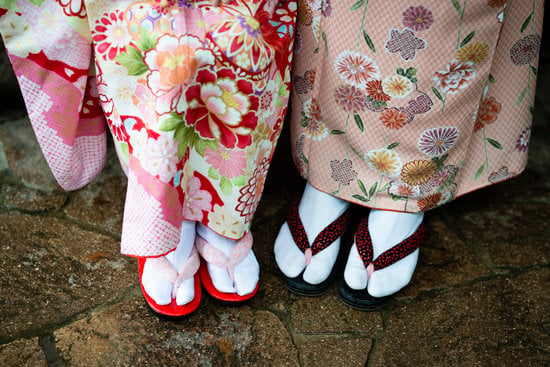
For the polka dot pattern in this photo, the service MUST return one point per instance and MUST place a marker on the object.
(363, 242)
(327, 236)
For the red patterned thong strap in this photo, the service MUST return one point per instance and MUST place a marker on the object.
(363, 242)
(327, 236)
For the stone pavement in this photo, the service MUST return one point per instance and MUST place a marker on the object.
(480, 295)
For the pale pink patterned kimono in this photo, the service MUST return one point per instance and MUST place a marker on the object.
(194, 97)
(405, 105)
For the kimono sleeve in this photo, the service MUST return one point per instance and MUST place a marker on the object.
(49, 46)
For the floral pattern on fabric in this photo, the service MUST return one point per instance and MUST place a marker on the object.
(194, 96)
(416, 103)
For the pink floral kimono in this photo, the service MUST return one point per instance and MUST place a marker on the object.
(194, 97)
(405, 105)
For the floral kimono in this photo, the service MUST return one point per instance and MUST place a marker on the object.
(194, 97)
(405, 105)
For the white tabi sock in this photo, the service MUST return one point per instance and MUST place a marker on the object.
(247, 272)
(317, 210)
(386, 229)
(159, 288)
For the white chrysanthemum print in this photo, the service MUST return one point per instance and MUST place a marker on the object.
(397, 86)
(438, 141)
(356, 68)
(384, 161)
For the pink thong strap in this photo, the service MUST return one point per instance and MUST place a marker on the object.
(166, 270)
(214, 256)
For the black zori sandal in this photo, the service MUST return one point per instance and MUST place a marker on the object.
(361, 299)
(327, 236)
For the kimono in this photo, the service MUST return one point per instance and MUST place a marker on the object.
(193, 95)
(406, 105)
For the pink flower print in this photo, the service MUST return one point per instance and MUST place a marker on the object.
(196, 200)
(405, 43)
(230, 163)
(252, 192)
(350, 98)
(417, 18)
(455, 76)
(441, 177)
(161, 157)
(522, 144)
(342, 171)
(525, 50)
(145, 102)
(223, 107)
(173, 63)
(437, 141)
(355, 68)
(501, 175)
(110, 35)
(400, 188)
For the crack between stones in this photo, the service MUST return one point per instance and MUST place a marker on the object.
(48, 329)
(424, 295)
(53, 359)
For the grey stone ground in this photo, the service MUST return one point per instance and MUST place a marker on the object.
(480, 295)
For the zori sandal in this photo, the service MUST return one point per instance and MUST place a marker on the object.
(165, 269)
(361, 299)
(212, 255)
(326, 237)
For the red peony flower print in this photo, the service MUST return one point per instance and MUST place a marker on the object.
(487, 113)
(455, 77)
(222, 107)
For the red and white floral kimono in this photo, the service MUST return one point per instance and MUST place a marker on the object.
(405, 105)
(194, 96)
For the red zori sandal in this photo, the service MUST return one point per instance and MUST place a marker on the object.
(212, 255)
(326, 237)
(361, 299)
(165, 269)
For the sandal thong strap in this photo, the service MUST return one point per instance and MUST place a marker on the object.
(214, 256)
(363, 242)
(167, 271)
(327, 236)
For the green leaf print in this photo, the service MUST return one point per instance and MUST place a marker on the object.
(9, 4)
(526, 22)
(324, 35)
(238, 181)
(393, 145)
(494, 143)
(37, 2)
(357, 5)
(396, 198)
(303, 119)
(533, 69)
(362, 187)
(225, 185)
(172, 122)
(532, 110)
(521, 96)
(316, 51)
(492, 79)
(437, 94)
(359, 197)
(359, 122)
(467, 39)
(384, 188)
(147, 41)
(479, 172)
(369, 41)
(213, 173)
(305, 159)
(133, 61)
(372, 189)
(337, 132)
(457, 6)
